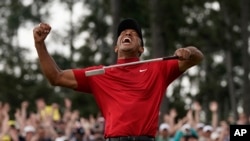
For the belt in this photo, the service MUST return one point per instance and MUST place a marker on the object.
(131, 138)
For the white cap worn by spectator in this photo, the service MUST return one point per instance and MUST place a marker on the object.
(215, 136)
(200, 125)
(186, 126)
(207, 128)
(164, 126)
(28, 129)
(63, 138)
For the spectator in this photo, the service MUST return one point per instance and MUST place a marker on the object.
(243, 119)
(29, 133)
(190, 138)
(206, 133)
(215, 136)
(224, 131)
(77, 134)
(185, 130)
(163, 134)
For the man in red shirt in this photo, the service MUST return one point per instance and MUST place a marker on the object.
(129, 97)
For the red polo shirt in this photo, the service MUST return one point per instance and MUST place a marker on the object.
(129, 97)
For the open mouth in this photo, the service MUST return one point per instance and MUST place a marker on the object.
(126, 40)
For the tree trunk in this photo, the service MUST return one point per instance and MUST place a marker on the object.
(245, 56)
(115, 9)
(157, 44)
(228, 60)
(231, 88)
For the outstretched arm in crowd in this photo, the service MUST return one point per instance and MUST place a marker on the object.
(5, 118)
(171, 120)
(214, 109)
(196, 107)
(190, 118)
(67, 110)
(47, 124)
(21, 114)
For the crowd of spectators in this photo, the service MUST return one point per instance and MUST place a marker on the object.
(49, 123)
(191, 127)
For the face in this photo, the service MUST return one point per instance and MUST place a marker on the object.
(29, 135)
(129, 44)
(164, 132)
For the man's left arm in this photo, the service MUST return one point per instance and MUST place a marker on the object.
(188, 57)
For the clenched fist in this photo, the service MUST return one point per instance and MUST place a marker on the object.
(183, 53)
(40, 32)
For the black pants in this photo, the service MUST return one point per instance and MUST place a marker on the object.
(131, 138)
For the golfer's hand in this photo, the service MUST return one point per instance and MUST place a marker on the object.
(40, 32)
(183, 53)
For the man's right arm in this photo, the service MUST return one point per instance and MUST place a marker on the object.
(50, 69)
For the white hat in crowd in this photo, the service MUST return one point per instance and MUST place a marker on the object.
(28, 129)
(200, 125)
(164, 126)
(215, 135)
(63, 138)
(207, 128)
(186, 126)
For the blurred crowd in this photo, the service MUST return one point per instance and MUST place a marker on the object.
(191, 127)
(51, 123)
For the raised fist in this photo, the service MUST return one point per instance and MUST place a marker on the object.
(213, 106)
(40, 32)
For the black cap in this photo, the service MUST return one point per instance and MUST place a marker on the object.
(130, 24)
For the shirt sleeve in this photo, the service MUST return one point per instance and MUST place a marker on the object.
(172, 70)
(84, 82)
